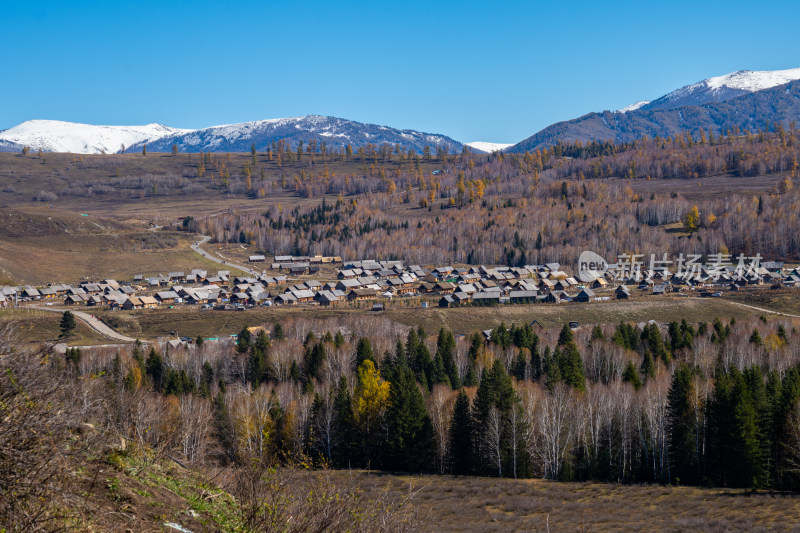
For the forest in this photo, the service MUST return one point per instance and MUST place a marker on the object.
(546, 205)
(705, 404)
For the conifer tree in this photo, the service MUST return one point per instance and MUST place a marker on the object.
(68, 324)
(631, 376)
(683, 437)
(155, 369)
(571, 366)
(243, 340)
(345, 421)
(648, 368)
(363, 351)
(461, 437)
(565, 336)
(410, 431)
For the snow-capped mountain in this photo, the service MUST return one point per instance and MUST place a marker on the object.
(722, 88)
(745, 99)
(58, 136)
(334, 132)
(633, 107)
(487, 147)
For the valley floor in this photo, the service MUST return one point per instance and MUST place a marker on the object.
(466, 504)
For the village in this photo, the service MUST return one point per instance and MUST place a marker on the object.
(300, 281)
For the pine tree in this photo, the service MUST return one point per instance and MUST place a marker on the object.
(631, 376)
(682, 432)
(410, 431)
(256, 364)
(344, 451)
(445, 349)
(493, 403)
(521, 365)
(68, 324)
(364, 352)
(565, 336)
(155, 369)
(571, 366)
(471, 379)
(648, 368)
(243, 340)
(462, 454)
(313, 360)
(736, 442)
(597, 334)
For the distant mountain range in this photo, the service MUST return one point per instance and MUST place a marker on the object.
(56, 136)
(744, 99)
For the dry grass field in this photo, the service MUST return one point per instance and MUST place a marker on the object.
(466, 504)
(39, 247)
(154, 323)
(34, 327)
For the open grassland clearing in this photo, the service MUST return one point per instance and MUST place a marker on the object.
(32, 326)
(781, 301)
(191, 322)
(42, 247)
(467, 504)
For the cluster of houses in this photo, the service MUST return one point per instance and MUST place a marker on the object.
(297, 265)
(356, 281)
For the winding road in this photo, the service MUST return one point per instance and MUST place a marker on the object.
(205, 238)
(93, 322)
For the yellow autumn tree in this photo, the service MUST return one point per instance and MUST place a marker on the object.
(692, 220)
(371, 396)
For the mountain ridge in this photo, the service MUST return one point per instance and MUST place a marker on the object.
(72, 137)
(748, 111)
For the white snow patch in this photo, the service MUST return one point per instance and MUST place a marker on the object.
(633, 107)
(754, 80)
(488, 147)
(743, 80)
(58, 136)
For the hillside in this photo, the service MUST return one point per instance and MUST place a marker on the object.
(59, 136)
(751, 111)
(334, 133)
(722, 88)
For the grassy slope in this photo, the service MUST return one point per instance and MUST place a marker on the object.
(41, 246)
(191, 322)
(132, 489)
(35, 327)
(466, 505)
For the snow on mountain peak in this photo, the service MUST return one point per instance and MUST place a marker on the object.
(60, 136)
(633, 107)
(753, 80)
(488, 147)
(721, 88)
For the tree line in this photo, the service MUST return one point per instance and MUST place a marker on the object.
(711, 404)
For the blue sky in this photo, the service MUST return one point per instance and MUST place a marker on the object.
(488, 71)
